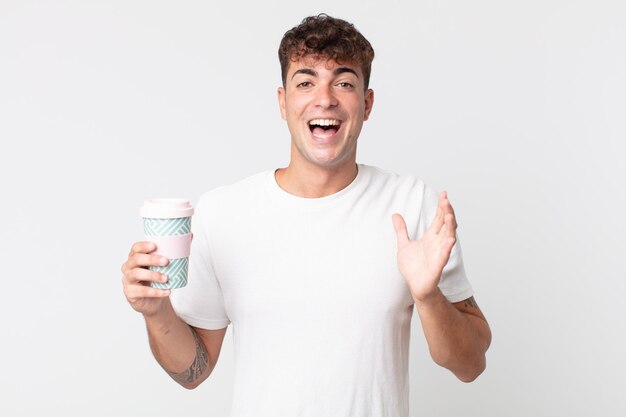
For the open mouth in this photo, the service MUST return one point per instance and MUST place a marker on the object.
(324, 128)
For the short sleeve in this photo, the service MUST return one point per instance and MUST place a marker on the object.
(201, 302)
(454, 283)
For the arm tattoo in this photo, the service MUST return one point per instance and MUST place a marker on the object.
(470, 302)
(197, 368)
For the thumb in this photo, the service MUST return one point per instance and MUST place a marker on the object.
(400, 226)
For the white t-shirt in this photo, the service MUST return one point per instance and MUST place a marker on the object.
(320, 313)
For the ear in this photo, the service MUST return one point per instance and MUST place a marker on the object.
(369, 103)
(281, 102)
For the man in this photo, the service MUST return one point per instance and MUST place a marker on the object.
(305, 263)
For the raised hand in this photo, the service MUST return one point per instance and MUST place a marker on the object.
(421, 261)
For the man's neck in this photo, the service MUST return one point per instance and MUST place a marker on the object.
(312, 181)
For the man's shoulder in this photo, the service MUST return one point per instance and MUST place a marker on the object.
(382, 179)
(243, 189)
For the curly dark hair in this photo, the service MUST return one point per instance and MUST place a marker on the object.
(326, 37)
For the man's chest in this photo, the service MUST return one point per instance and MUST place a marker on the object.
(337, 267)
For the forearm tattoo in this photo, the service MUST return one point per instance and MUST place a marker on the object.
(197, 368)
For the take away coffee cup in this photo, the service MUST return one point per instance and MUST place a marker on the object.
(167, 223)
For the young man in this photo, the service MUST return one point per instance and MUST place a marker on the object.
(309, 263)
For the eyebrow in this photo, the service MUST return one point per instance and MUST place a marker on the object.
(311, 72)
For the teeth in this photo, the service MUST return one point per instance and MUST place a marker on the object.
(324, 122)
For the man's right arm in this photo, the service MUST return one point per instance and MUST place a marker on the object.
(186, 353)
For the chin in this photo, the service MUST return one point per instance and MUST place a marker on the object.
(330, 161)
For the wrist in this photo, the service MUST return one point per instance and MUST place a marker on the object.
(428, 299)
(161, 319)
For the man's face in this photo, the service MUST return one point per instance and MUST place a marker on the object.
(324, 104)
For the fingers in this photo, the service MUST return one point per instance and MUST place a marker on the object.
(142, 260)
(142, 275)
(137, 287)
(449, 227)
(445, 220)
(135, 269)
(137, 292)
(138, 247)
(137, 280)
(142, 247)
(400, 227)
(137, 277)
(446, 206)
(446, 244)
(437, 224)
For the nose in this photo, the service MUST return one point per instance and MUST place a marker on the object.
(325, 97)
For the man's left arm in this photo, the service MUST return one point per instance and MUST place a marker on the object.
(458, 335)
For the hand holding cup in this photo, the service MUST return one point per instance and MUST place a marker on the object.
(137, 279)
(167, 223)
(160, 263)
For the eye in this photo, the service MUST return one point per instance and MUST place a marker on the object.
(345, 85)
(305, 84)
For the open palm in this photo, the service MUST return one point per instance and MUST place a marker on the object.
(421, 261)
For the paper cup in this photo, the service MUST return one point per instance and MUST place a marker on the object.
(167, 223)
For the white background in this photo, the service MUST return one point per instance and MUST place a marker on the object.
(516, 108)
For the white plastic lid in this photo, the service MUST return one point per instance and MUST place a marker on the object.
(166, 208)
